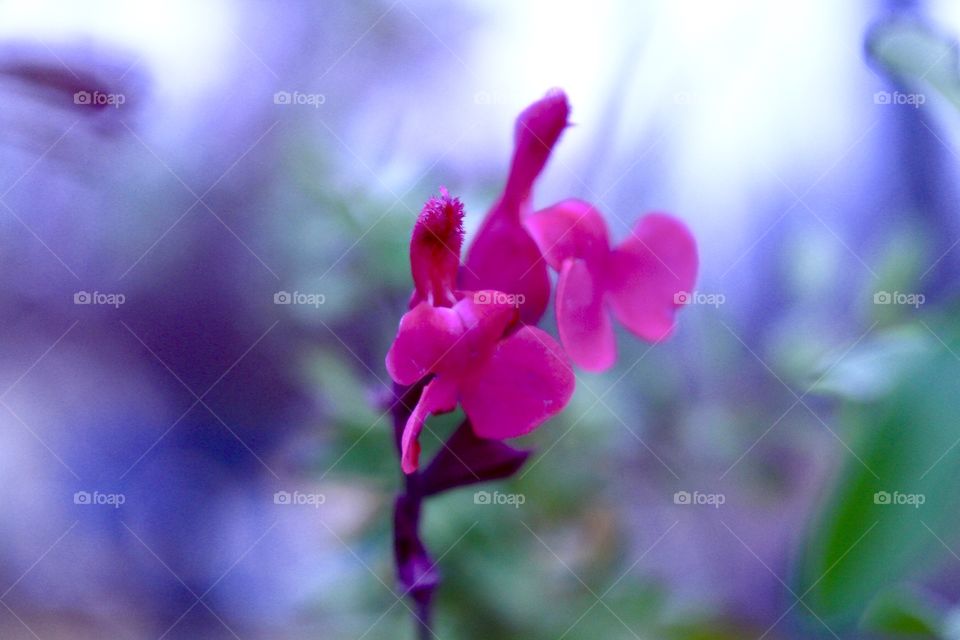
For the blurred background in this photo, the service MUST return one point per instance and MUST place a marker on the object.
(204, 211)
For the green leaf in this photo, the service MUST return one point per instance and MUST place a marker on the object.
(892, 508)
(873, 368)
(901, 611)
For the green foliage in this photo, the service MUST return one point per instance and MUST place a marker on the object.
(903, 612)
(904, 444)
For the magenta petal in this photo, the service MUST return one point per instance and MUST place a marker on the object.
(646, 272)
(584, 323)
(526, 381)
(424, 340)
(439, 396)
(537, 131)
(485, 316)
(569, 229)
(484, 322)
(504, 257)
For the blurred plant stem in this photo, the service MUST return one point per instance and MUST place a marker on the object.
(416, 572)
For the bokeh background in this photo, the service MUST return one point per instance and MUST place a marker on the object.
(185, 457)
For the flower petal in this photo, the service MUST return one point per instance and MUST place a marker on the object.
(484, 322)
(537, 130)
(505, 258)
(424, 340)
(583, 322)
(526, 381)
(645, 274)
(485, 317)
(439, 396)
(569, 229)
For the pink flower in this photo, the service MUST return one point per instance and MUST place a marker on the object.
(639, 281)
(503, 256)
(509, 378)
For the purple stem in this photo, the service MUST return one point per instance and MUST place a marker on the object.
(464, 460)
(416, 572)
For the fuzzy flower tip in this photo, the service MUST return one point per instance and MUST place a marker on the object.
(435, 249)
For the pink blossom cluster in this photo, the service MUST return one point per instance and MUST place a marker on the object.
(470, 334)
